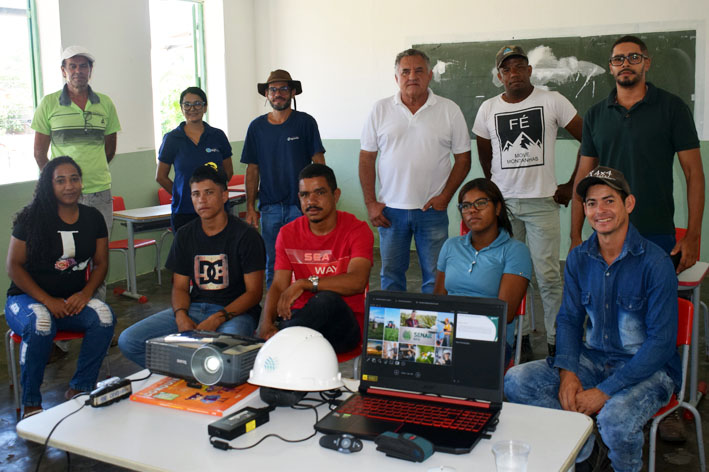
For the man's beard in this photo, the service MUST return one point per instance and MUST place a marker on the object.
(627, 80)
(283, 106)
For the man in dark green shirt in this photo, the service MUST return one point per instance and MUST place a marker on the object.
(637, 130)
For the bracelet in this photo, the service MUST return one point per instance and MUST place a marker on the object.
(228, 315)
(181, 309)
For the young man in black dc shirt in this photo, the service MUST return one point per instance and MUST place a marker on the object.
(224, 259)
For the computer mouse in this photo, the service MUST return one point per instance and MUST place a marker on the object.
(442, 468)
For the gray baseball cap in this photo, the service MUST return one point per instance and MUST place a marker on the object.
(605, 176)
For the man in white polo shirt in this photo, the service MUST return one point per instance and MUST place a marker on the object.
(414, 132)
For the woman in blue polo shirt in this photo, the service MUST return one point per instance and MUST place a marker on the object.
(192, 144)
(486, 262)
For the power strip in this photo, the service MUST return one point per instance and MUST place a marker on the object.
(110, 391)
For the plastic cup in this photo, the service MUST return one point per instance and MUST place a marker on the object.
(511, 456)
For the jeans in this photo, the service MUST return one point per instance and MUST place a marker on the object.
(327, 313)
(33, 321)
(103, 202)
(620, 421)
(273, 217)
(535, 222)
(132, 340)
(429, 229)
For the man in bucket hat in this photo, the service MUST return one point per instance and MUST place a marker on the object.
(278, 146)
(627, 367)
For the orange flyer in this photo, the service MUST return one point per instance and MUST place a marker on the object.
(208, 399)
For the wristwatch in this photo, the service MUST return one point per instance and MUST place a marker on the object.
(315, 280)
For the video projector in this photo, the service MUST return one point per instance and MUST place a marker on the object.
(206, 357)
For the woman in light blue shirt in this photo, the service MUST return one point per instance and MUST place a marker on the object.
(486, 262)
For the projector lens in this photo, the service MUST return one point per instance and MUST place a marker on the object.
(212, 364)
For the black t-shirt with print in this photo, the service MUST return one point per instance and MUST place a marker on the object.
(63, 272)
(217, 264)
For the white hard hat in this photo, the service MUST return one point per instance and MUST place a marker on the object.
(297, 358)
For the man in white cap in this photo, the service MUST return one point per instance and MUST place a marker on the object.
(277, 147)
(82, 124)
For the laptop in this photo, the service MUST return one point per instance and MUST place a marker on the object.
(431, 365)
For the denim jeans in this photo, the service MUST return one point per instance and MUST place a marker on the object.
(132, 340)
(273, 217)
(327, 313)
(620, 422)
(33, 321)
(535, 222)
(429, 229)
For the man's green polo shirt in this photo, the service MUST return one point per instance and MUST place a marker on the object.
(641, 143)
(79, 133)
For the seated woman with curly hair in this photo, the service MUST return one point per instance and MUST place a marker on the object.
(54, 242)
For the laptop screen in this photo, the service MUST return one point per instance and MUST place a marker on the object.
(437, 344)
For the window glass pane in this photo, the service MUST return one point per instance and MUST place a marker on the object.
(16, 105)
(173, 60)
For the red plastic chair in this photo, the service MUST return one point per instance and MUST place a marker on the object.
(237, 179)
(10, 338)
(684, 339)
(679, 234)
(165, 198)
(121, 245)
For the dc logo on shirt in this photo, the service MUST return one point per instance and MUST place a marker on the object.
(211, 150)
(212, 272)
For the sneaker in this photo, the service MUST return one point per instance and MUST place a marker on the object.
(672, 428)
(552, 349)
(527, 354)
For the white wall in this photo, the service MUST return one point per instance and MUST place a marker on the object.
(343, 51)
(118, 34)
(240, 71)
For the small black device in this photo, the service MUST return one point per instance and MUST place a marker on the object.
(238, 423)
(405, 446)
(345, 443)
(110, 391)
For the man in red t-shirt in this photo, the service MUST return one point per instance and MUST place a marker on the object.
(322, 266)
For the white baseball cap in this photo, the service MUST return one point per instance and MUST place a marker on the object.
(72, 51)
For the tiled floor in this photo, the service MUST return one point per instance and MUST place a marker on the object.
(19, 455)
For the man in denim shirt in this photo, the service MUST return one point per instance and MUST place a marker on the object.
(628, 366)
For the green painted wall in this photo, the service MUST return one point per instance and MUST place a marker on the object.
(134, 179)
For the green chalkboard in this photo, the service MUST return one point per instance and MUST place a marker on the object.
(576, 67)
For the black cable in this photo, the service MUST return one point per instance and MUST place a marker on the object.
(44, 448)
(225, 446)
(142, 378)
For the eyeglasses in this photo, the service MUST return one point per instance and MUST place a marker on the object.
(283, 89)
(194, 105)
(633, 58)
(479, 204)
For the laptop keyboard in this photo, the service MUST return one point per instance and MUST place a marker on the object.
(440, 416)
